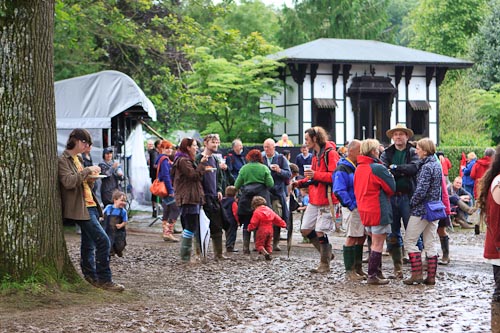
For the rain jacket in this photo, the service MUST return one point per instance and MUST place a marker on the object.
(164, 174)
(373, 187)
(429, 178)
(264, 218)
(467, 179)
(478, 171)
(322, 175)
(343, 183)
(187, 181)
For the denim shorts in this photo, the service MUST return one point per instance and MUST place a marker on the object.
(379, 229)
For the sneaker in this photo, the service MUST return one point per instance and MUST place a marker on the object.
(111, 286)
(91, 280)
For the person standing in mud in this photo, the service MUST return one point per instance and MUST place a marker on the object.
(489, 203)
(318, 219)
(189, 194)
(429, 185)
(402, 161)
(81, 206)
(253, 179)
(343, 187)
(212, 189)
(373, 187)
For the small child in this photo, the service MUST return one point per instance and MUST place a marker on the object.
(115, 222)
(304, 195)
(230, 217)
(263, 219)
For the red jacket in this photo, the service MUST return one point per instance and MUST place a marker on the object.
(373, 186)
(478, 171)
(322, 176)
(492, 240)
(263, 218)
(446, 165)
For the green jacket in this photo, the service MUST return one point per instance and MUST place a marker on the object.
(254, 172)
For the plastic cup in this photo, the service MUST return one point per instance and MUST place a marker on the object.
(307, 167)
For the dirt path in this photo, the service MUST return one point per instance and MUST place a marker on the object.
(248, 295)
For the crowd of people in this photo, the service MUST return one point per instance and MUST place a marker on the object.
(380, 189)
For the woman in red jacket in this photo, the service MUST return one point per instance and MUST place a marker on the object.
(373, 186)
(489, 203)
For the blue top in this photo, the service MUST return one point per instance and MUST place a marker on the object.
(110, 210)
(164, 173)
(300, 160)
(343, 183)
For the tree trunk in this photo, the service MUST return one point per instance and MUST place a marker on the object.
(31, 234)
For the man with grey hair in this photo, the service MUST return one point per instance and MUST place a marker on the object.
(281, 173)
(235, 158)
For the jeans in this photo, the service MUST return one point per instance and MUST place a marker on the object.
(94, 250)
(400, 210)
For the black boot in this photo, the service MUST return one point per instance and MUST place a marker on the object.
(217, 244)
(246, 241)
(358, 261)
(276, 238)
(445, 247)
(496, 275)
(397, 259)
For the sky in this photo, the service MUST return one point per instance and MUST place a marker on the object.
(278, 3)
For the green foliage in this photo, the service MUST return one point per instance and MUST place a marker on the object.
(460, 123)
(488, 103)
(485, 48)
(251, 16)
(313, 19)
(444, 26)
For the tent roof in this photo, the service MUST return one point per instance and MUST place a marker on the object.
(331, 50)
(90, 101)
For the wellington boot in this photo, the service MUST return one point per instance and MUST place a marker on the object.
(397, 259)
(445, 247)
(325, 257)
(358, 261)
(353, 276)
(431, 271)
(349, 264)
(169, 234)
(246, 241)
(186, 245)
(377, 281)
(464, 224)
(164, 226)
(416, 269)
(217, 244)
(276, 239)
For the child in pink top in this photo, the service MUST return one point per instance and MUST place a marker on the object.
(263, 219)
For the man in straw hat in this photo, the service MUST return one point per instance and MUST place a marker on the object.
(402, 160)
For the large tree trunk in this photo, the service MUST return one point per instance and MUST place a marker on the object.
(31, 234)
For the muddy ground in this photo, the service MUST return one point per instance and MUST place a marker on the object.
(248, 294)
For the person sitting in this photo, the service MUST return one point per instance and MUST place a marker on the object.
(462, 199)
(284, 142)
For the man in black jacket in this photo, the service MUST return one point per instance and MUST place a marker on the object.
(402, 160)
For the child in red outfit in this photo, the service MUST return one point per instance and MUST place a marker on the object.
(263, 219)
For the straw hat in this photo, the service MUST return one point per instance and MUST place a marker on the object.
(399, 127)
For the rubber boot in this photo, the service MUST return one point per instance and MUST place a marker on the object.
(276, 238)
(217, 244)
(164, 227)
(186, 245)
(445, 247)
(349, 263)
(466, 208)
(358, 261)
(168, 234)
(266, 254)
(416, 269)
(374, 264)
(369, 244)
(463, 224)
(325, 257)
(397, 260)
(315, 242)
(246, 241)
(431, 271)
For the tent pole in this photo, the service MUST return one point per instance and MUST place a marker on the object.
(151, 129)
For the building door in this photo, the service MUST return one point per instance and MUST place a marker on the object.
(373, 121)
(323, 114)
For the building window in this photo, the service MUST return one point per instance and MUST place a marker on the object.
(417, 118)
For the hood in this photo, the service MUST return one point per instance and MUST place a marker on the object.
(266, 211)
(227, 202)
(485, 161)
(362, 159)
(330, 144)
(344, 161)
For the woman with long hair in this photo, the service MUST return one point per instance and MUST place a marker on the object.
(188, 192)
(489, 203)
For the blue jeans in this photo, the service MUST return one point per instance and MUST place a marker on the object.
(400, 211)
(94, 249)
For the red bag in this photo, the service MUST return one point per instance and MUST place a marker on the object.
(158, 187)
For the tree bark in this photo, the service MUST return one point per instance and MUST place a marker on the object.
(31, 232)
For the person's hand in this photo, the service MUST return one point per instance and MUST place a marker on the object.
(309, 174)
(95, 169)
(116, 164)
(223, 166)
(204, 159)
(219, 195)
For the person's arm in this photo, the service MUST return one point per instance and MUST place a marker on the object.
(70, 179)
(340, 181)
(268, 179)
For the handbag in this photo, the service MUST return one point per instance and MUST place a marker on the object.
(158, 187)
(435, 211)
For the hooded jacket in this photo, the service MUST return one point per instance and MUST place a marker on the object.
(373, 187)
(478, 171)
(343, 183)
(264, 218)
(322, 175)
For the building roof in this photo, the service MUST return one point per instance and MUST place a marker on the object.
(349, 51)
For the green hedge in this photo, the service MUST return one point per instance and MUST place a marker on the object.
(454, 154)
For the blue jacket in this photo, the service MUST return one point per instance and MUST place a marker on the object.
(428, 185)
(466, 179)
(164, 174)
(343, 183)
(235, 162)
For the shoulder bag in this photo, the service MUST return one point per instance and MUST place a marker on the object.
(158, 187)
